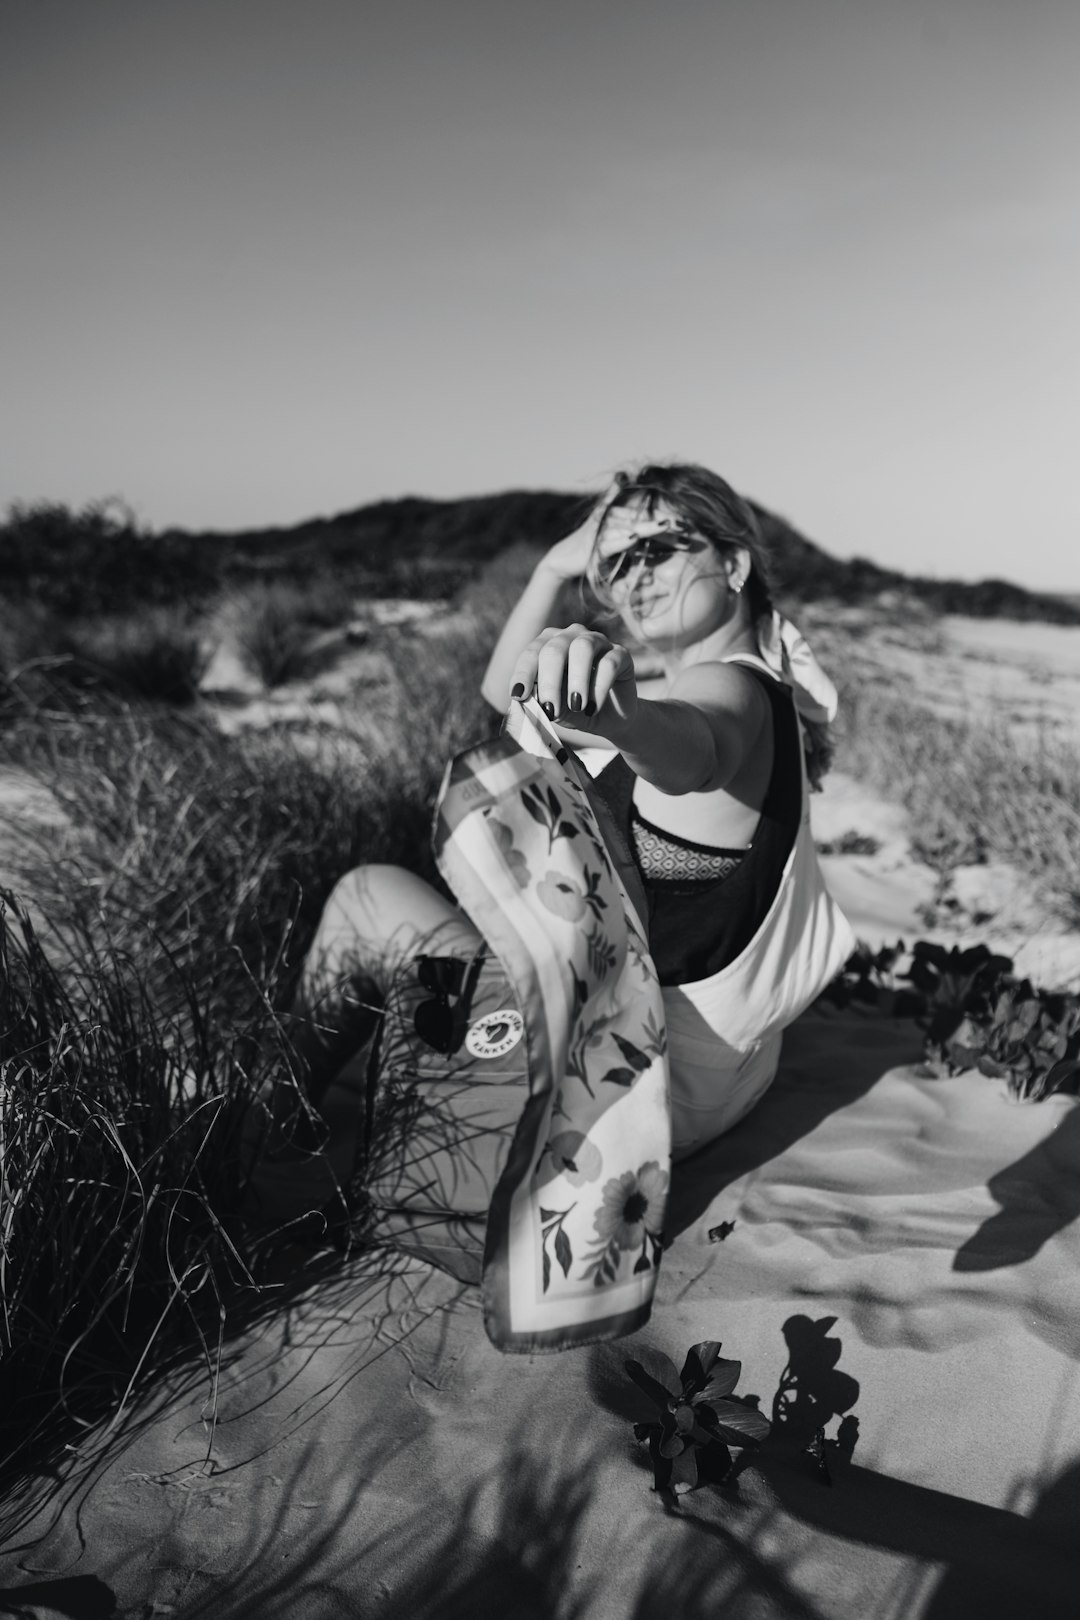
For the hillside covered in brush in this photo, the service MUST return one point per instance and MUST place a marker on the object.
(100, 560)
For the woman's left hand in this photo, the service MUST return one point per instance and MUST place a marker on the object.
(582, 679)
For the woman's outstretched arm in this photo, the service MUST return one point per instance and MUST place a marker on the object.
(694, 740)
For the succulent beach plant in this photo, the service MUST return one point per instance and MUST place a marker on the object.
(698, 1416)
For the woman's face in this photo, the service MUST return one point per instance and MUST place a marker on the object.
(670, 585)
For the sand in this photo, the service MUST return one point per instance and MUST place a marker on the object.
(885, 893)
(880, 1250)
(892, 1257)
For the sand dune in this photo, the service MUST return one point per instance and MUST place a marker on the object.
(885, 893)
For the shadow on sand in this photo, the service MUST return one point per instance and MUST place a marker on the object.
(559, 1524)
(1039, 1195)
(809, 1086)
(77, 1597)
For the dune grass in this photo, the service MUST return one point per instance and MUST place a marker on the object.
(975, 790)
(139, 1021)
(120, 1172)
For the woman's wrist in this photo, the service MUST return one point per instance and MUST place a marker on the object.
(548, 573)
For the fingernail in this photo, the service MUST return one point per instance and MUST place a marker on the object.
(549, 710)
(517, 690)
(575, 701)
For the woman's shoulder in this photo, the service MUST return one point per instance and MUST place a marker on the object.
(735, 686)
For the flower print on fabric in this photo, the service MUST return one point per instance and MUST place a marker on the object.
(633, 1204)
(515, 860)
(546, 808)
(599, 1054)
(575, 1157)
(638, 952)
(630, 1217)
(562, 896)
(574, 1228)
(570, 897)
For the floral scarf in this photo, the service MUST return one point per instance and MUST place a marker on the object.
(573, 1233)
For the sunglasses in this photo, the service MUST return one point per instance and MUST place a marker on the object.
(649, 553)
(441, 1022)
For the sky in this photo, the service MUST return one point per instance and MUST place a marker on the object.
(267, 259)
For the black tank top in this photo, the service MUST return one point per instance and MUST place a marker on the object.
(697, 927)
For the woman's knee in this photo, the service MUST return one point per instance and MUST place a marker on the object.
(375, 900)
(367, 890)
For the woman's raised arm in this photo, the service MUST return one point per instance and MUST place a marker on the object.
(530, 614)
(566, 560)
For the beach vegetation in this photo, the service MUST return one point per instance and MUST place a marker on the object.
(150, 950)
(697, 1417)
(975, 1012)
(276, 625)
(975, 789)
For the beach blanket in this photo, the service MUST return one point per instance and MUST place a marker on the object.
(573, 1239)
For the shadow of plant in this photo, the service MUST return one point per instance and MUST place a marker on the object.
(812, 1389)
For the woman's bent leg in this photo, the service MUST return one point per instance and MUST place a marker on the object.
(376, 918)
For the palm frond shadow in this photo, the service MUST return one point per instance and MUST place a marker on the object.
(321, 1308)
(535, 1539)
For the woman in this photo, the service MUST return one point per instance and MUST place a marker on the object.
(706, 777)
(701, 752)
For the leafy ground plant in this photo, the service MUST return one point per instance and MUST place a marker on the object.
(975, 1013)
(699, 1417)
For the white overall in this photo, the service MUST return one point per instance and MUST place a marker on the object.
(724, 1032)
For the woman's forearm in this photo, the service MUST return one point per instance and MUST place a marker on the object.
(670, 744)
(530, 615)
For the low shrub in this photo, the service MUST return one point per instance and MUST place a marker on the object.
(275, 626)
(158, 653)
(99, 560)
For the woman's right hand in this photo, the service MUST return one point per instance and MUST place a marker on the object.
(569, 558)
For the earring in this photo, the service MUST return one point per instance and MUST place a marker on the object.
(736, 586)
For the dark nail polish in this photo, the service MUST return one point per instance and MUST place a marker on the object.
(575, 701)
(517, 690)
(549, 710)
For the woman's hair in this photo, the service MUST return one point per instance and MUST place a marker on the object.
(708, 505)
